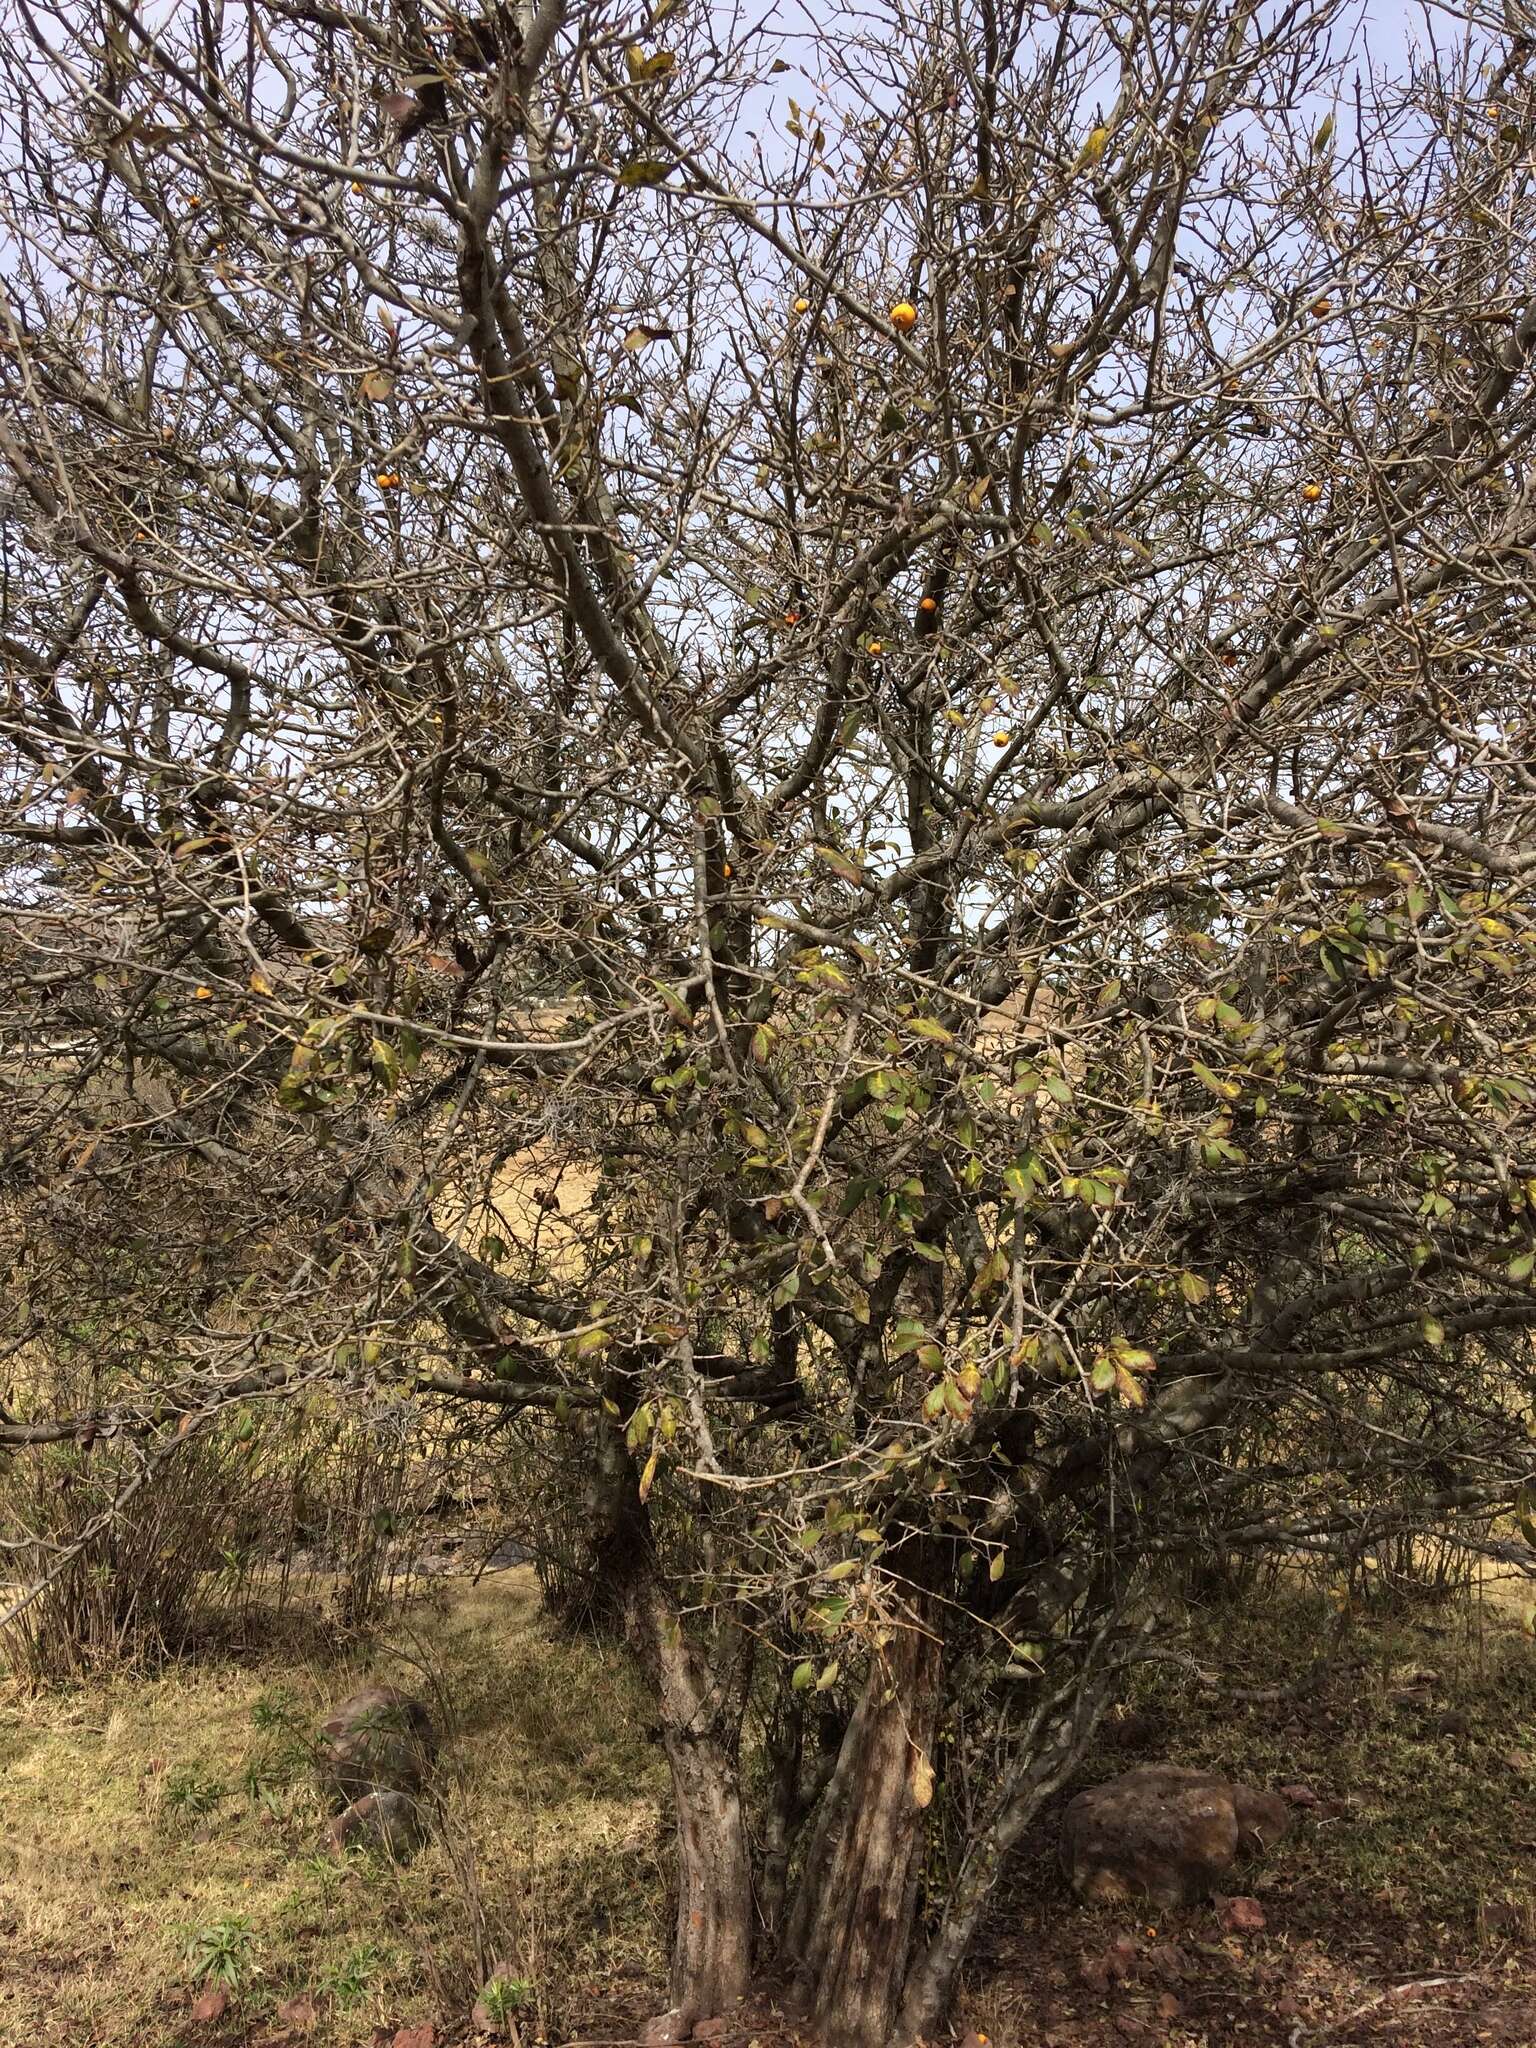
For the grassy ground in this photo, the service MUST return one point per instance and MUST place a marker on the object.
(142, 1814)
(146, 1813)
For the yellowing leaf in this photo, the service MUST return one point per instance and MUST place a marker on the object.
(377, 385)
(644, 170)
(1227, 1091)
(921, 1780)
(1130, 1388)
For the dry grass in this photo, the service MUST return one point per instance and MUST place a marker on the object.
(1416, 1733)
(142, 1810)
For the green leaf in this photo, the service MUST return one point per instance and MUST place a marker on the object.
(1225, 1091)
(998, 1566)
(1132, 1356)
(1194, 1289)
(992, 1274)
(1521, 1268)
(844, 1569)
(841, 864)
(929, 1027)
(1103, 1376)
(803, 1676)
(787, 1288)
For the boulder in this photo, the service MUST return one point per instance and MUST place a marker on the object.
(1164, 1834)
(394, 1822)
(379, 1740)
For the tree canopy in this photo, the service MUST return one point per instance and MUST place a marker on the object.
(799, 755)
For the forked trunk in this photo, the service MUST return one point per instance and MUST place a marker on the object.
(851, 1932)
(1049, 1750)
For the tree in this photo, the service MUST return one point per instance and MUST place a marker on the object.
(927, 686)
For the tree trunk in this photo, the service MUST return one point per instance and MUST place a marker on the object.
(1049, 1750)
(930, 1983)
(851, 1932)
(712, 1947)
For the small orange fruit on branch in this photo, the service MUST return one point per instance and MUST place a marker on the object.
(904, 316)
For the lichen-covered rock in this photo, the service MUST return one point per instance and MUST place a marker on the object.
(1165, 1834)
(379, 1740)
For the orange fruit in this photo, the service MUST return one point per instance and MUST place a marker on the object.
(388, 479)
(877, 647)
(929, 604)
(1311, 493)
(904, 316)
(791, 618)
(802, 305)
(1320, 308)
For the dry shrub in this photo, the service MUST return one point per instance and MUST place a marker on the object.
(220, 1538)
